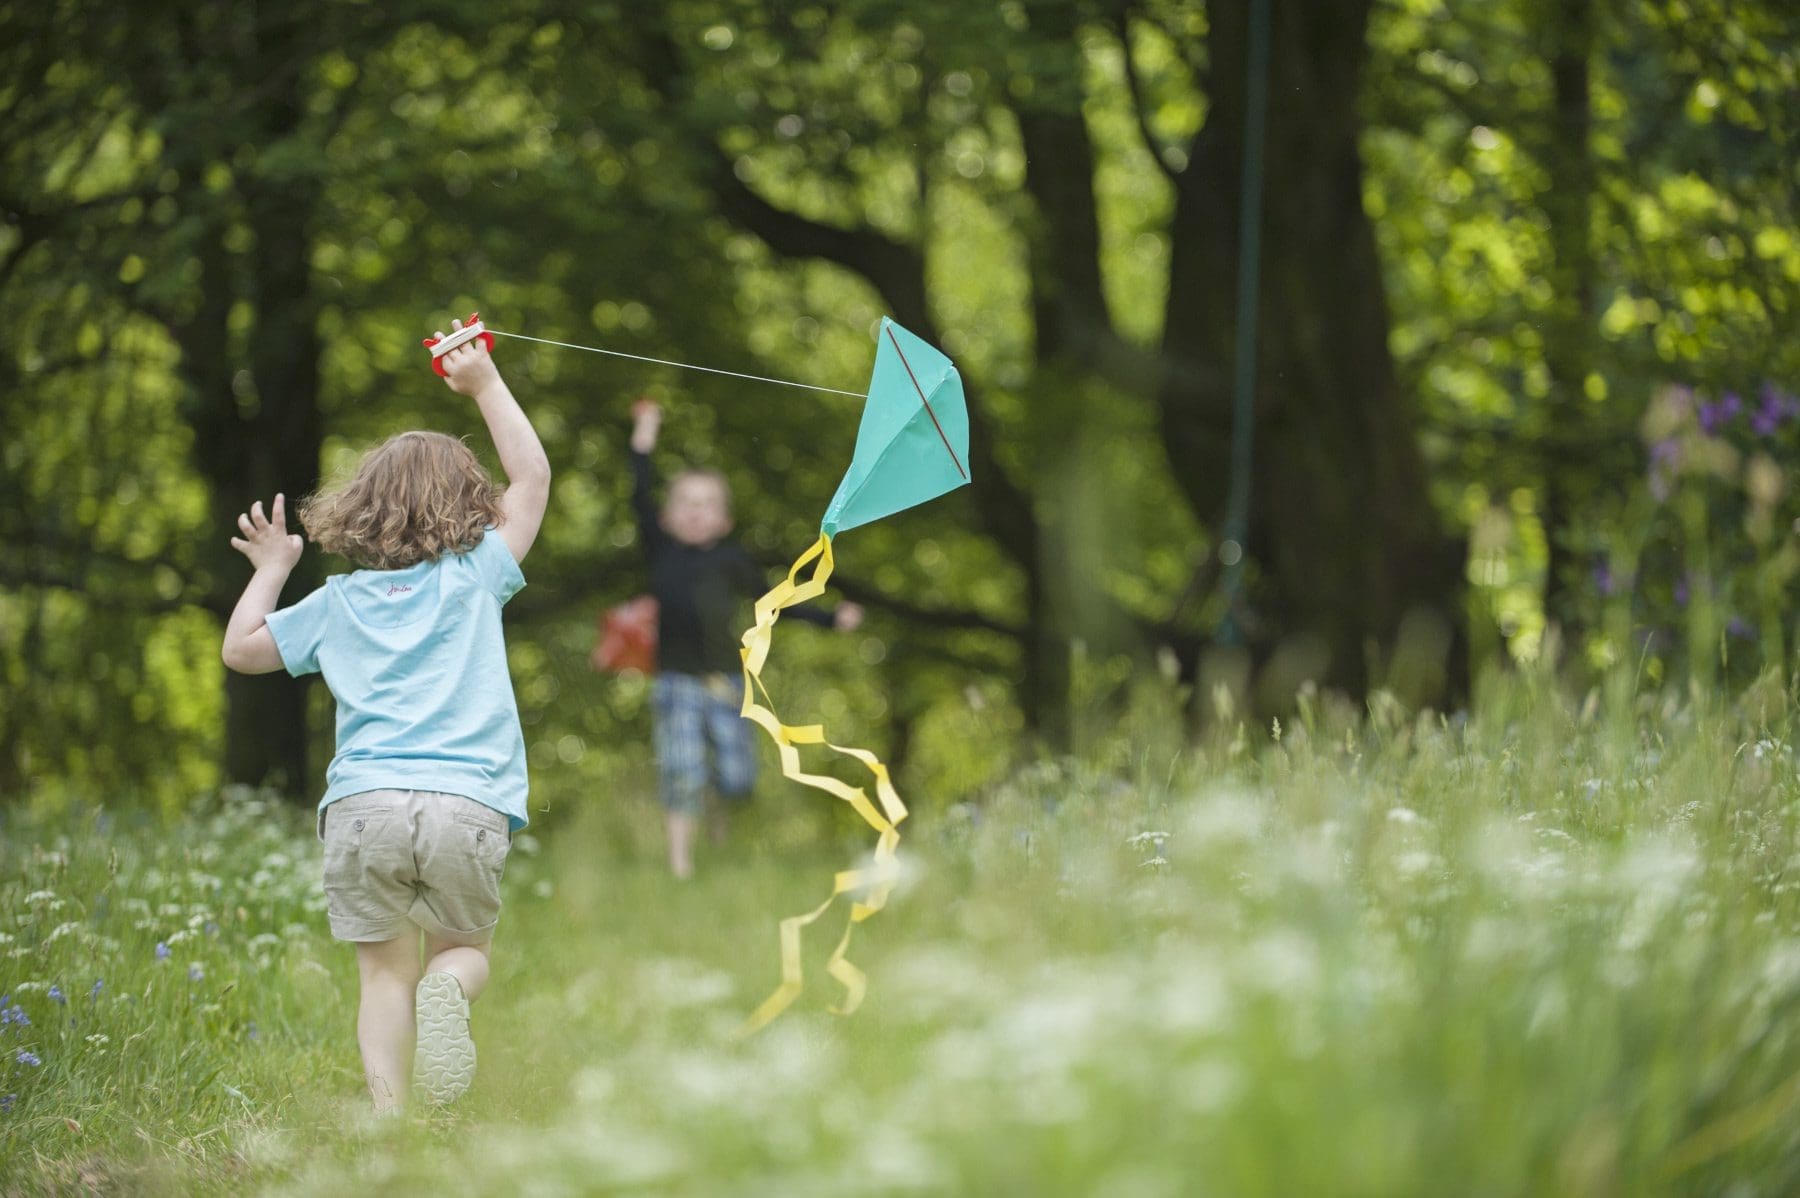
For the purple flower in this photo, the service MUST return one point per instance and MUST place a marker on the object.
(6, 1102)
(1774, 410)
(254, 1034)
(1738, 628)
(1715, 416)
(1681, 592)
(1603, 579)
(195, 973)
(95, 992)
(162, 951)
(14, 1014)
(27, 1057)
(57, 995)
(1665, 460)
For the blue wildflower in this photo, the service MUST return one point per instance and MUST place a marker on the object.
(162, 951)
(212, 929)
(254, 1034)
(6, 1102)
(195, 973)
(1694, 582)
(27, 1057)
(95, 992)
(57, 995)
(1739, 629)
(1603, 578)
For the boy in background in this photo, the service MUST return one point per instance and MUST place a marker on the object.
(698, 577)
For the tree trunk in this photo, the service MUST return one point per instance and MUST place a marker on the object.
(1341, 526)
(1568, 438)
(255, 407)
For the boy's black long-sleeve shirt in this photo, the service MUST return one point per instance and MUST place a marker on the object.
(697, 588)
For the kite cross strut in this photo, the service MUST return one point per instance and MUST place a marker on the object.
(925, 399)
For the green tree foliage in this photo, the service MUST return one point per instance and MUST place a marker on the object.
(1492, 232)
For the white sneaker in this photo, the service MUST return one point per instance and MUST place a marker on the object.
(444, 1062)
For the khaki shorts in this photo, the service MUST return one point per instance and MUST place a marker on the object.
(399, 860)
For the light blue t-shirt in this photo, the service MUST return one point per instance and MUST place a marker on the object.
(417, 663)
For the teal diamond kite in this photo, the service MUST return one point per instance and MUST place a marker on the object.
(913, 443)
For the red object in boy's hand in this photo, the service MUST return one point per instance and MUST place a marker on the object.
(472, 330)
(627, 637)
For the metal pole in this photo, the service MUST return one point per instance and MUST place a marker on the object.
(1243, 402)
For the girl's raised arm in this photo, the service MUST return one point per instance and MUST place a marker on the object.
(470, 371)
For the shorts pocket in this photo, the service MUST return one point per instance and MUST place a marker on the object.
(349, 837)
(487, 842)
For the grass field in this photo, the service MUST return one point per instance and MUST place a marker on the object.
(1537, 952)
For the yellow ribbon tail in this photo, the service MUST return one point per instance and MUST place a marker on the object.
(872, 885)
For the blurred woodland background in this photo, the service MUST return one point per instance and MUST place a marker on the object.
(1525, 345)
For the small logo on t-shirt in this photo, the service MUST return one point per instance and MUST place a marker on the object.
(397, 589)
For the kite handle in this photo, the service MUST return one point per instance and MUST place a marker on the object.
(472, 330)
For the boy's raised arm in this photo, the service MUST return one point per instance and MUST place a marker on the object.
(646, 425)
(470, 371)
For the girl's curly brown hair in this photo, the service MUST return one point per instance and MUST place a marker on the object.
(413, 498)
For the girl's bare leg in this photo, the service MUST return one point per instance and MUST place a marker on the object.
(467, 963)
(384, 1020)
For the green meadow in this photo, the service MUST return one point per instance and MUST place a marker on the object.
(1550, 948)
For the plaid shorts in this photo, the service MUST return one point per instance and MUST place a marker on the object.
(700, 740)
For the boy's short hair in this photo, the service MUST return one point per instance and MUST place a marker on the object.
(704, 474)
(413, 498)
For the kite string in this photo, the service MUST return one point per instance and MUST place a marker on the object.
(755, 378)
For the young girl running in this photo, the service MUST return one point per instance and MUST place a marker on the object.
(428, 782)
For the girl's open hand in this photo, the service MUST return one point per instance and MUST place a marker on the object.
(468, 369)
(267, 542)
